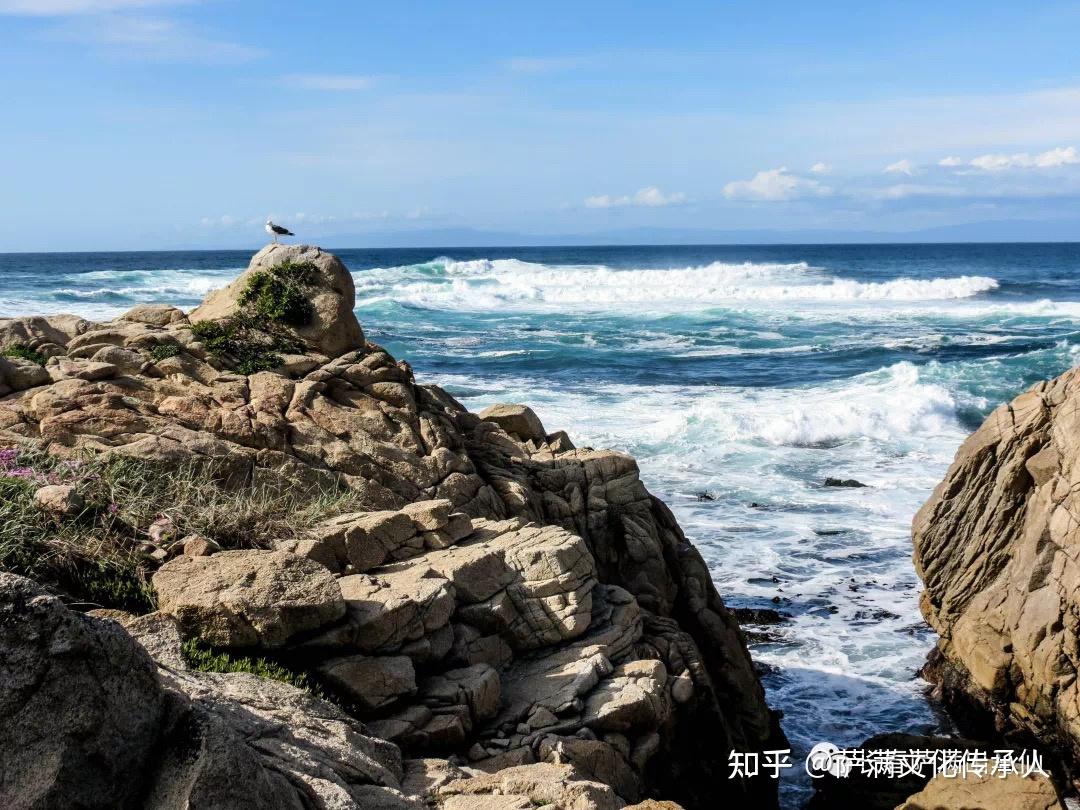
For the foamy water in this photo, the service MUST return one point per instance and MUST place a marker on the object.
(740, 378)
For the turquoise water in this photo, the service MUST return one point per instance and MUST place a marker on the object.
(740, 377)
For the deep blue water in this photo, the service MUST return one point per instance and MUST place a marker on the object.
(740, 377)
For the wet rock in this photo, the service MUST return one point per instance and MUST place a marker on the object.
(844, 482)
(760, 615)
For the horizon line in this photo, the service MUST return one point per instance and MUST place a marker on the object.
(577, 246)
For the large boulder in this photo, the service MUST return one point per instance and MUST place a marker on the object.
(986, 792)
(333, 330)
(80, 705)
(996, 548)
(517, 420)
(248, 598)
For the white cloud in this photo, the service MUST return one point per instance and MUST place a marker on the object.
(648, 197)
(900, 167)
(901, 191)
(1052, 158)
(338, 82)
(950, 161)
(775, 185)
(62, 8)
(821, 168)
(550, 64)
(153, 39)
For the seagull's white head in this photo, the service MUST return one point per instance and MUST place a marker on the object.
(268, 222)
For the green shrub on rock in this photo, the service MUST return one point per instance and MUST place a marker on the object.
(272, 301)
(165, 350)
(280, 293)
(252, 344)
(23, 353)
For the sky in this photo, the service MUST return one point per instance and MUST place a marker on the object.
(142, 124)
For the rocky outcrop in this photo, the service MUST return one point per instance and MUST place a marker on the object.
(996, 778)
(996, 548)
(333, 329)
(986, 792)
(88, 720)
(523, 612)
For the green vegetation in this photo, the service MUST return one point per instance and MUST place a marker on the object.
(24, 352)
(251, 344)
(164, 350)
(272, 301)
(280, 294)
(205, 659)
(94, 557)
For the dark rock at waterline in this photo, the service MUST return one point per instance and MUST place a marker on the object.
(760, 615)
(850, 483)
(704, 496)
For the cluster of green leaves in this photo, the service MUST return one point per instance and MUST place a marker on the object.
(206, 659)
(280, 293)
(24, 352)
(272, 301)
(94, 557)
(251, 344)
(165, 349)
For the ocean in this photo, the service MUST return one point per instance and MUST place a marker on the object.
(741, 378)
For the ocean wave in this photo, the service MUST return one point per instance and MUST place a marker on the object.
(891, 405)
(501, 284)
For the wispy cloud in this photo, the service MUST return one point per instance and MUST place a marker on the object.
(821, 168)
(548, 64)
(63, 8)
(332, 82)
(901, 167)
(1051, 159)
(903, 191)
(775, 185)
(648, 197)
(155, 39)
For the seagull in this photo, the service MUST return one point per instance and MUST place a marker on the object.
(276, 230)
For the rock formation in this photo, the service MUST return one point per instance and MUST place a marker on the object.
(996, 546)
(508, 621)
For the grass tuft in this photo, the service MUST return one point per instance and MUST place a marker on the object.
(94, 557)
(205, 659)
(24, 352)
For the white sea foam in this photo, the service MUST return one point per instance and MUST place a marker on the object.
(500, 284)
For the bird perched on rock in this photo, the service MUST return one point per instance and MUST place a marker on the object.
(277, 230)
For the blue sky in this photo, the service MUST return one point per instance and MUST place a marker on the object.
(150, 123)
